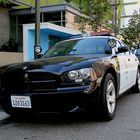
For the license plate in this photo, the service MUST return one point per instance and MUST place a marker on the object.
(21, 101)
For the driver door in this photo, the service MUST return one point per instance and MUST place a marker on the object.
(123, 69)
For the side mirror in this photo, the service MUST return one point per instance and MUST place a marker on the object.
(123, 49)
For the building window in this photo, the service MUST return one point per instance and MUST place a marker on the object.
(57, 18)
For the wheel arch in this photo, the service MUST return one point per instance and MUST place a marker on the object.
(112, 71)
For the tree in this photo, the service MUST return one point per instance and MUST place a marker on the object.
(131, 34)
(3, 2)
(98, 13)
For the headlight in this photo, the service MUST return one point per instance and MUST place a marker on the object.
(73, 74)
(84, 73)
(81, 74)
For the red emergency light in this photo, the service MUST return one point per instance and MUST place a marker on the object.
(105, 32)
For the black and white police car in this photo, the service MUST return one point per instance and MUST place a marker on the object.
(71, 75)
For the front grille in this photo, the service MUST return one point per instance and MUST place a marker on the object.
(17, 82)
(40, 76)
(42, 82)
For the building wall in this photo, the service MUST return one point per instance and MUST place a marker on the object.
(129, 7)
(4, 25)
(71, 24)
(9, 58)
(70, 21)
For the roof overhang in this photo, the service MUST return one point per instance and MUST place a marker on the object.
(50, 26)
(46, 9)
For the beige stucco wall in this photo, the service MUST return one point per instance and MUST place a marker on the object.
(4, 25)
(9, 58)
(71, 24)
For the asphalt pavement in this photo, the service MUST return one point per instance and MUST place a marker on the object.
(125, 126)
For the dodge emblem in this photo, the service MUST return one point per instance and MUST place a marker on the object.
(26, 76)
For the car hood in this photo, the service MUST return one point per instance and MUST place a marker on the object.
(59, 64)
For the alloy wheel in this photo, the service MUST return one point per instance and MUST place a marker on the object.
(111, 96)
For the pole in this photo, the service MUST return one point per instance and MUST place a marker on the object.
(80, 4)
(37, 47)
(116, 9)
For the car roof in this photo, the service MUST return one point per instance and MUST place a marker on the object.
(78, 38)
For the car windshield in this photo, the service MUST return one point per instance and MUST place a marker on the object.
(79, 47)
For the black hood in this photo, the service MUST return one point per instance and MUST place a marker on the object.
(58, 64)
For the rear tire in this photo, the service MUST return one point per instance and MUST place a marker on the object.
(108, 98)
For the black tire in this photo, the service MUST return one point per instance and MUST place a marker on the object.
(136, 87)
(107, 113)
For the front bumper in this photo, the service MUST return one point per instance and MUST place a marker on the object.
(62, 101)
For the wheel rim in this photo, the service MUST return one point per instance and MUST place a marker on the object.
(138, 80)
(111, 96)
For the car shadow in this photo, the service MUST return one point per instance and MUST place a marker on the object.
(68, 118)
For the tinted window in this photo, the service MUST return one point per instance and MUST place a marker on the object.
(138, 51)
(79, 47)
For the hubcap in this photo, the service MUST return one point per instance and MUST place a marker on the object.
(138, 80)
(111, 96)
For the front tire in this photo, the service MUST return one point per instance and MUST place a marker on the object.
(108, 98)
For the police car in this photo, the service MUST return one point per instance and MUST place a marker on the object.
(71, 76)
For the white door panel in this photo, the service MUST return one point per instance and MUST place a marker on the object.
(128, 64)
(123, 73)
(133, 66)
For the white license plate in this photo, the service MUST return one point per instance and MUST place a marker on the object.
(21, 101)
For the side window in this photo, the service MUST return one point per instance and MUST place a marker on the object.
(138, 51)
(117, 46)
